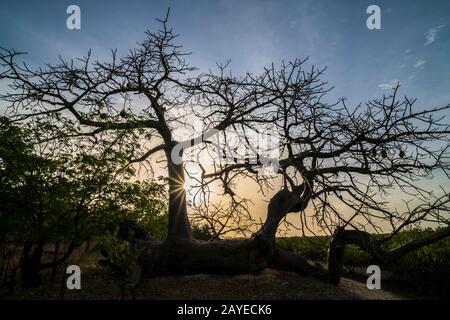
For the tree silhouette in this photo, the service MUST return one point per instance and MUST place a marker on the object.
(338, 163)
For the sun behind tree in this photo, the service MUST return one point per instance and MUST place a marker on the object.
(331, 156)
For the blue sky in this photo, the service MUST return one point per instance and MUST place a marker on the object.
(412, 46)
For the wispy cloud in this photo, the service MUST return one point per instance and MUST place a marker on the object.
(431, 34)
(419, 63)
(388, 85)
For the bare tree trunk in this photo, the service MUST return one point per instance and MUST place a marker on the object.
(336, 254)
(184, 255)
(179, 227)
(282, 203)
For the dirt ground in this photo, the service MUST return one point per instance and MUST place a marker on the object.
(270, 284)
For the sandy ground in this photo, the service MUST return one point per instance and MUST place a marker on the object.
(270, 284)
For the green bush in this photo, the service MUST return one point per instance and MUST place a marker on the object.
(314, 248)
(118, 253)
(355, 257)
(427, 269)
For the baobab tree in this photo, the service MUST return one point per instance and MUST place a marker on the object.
(335, 162)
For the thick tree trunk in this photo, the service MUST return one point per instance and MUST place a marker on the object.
(184, 255)
(193, 257)
(179, 227)
(336, 254)
(282, 203)
(181, 254)
(236, 256)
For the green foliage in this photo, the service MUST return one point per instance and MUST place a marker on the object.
(55, 195)
(144, 202)
(355, 257)
(428, 268)
(310, 247)
(118, 253)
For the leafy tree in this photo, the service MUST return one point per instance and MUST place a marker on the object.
(65, 199)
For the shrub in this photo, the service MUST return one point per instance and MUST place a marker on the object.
(427, 269)
(117, 252)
